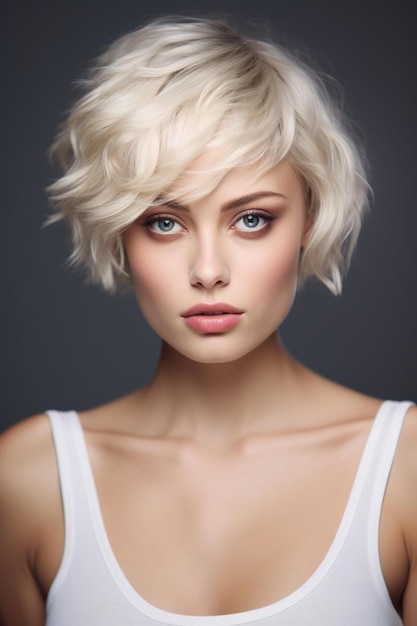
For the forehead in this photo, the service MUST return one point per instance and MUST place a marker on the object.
(199, 181)
(204, 173)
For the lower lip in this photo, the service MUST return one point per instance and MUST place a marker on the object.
(213, 323)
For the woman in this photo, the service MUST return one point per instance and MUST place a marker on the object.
(211, 173)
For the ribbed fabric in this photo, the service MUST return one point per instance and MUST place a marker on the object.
(347, 589)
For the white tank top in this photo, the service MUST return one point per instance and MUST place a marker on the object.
(347, 589)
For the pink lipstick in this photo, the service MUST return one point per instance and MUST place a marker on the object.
(213, 317)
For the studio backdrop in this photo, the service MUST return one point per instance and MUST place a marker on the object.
(67, 345)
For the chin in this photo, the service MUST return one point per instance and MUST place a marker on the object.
(208, 353)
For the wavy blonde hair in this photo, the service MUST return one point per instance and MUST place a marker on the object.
(161, 96)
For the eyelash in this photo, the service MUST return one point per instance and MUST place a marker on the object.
(256, 213)
(159, 218)
(267, 217)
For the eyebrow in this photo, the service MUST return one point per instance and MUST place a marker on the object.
(230, 204)
(253, 197)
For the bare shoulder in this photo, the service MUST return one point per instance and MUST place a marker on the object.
(124, 415)
(25, 450)
(403, 490)
(405, 466)
(29, 491)
(336, 403)
(27, 474)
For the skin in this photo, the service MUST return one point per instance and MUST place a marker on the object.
(223, 413)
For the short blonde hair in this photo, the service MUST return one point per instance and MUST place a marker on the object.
(162, 95)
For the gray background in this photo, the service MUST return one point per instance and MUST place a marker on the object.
(65, 345)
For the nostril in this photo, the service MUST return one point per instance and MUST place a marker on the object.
(209, 275)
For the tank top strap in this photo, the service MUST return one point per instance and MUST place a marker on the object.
(348, 586)
(69, 448)
(387, 430)
(75, 487)
(378, 460)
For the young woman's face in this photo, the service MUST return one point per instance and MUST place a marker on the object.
(215, 277)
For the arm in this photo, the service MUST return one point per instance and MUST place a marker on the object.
(25, 484)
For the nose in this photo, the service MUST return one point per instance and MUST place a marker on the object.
(208, 266)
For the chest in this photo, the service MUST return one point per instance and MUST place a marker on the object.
(202, 533)
(213, 534)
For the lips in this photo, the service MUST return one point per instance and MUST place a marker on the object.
(211, 308)
(212, 318)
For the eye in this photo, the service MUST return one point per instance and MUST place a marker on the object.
(163, 225)
(252, 221)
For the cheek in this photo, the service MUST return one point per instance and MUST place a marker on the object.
(149, 281)
(275, 267)
(150, 294)
(273, 279)
(154, 275)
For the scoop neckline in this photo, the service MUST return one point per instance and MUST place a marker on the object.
(243, 617)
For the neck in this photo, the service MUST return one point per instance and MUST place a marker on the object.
(224, 402)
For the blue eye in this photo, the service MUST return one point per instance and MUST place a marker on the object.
(163, 225)
(252, 221)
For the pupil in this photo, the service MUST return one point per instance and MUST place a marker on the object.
(165, 224)
(251, 220)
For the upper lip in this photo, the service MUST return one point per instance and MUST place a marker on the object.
(207, 308)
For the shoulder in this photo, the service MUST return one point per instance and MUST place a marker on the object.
(406, 457)
(29, 499)
(27, 471)
(24, 443)
(405, 464)
(403, 491)
(404, 471)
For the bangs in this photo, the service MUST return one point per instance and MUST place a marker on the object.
(166, 94)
